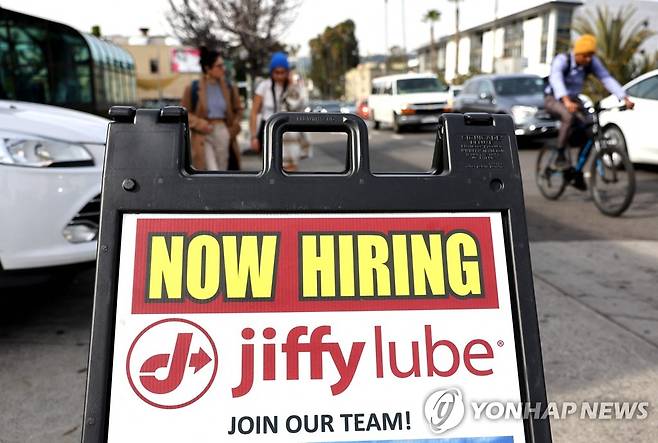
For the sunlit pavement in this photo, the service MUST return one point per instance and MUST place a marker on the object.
(595, 283)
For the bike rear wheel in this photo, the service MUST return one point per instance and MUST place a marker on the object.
(550, 180)
(612, 181)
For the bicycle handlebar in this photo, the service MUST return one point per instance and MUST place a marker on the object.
(620, 107)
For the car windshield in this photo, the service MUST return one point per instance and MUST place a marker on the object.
(414, 85)
(519, 86)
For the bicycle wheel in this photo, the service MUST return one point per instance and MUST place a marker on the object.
(612, 181)
(550, 180)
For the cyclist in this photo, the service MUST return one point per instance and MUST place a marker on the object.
(568, 74)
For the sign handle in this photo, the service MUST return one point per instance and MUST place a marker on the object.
(355, 128)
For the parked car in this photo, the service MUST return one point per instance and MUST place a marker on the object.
(51, 162)
(362, 109)
(407, 100)
(331, 106)
(520, 95)
(453, 92)
(632, 129)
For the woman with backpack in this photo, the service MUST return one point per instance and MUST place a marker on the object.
(214, 113)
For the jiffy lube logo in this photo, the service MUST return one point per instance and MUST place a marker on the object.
(444, 409)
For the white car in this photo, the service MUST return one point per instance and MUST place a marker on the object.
(407, 100)
(632, 130)
(51, 162)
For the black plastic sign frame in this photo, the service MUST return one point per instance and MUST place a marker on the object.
(475, 169)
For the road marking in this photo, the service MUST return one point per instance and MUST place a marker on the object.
(427, 143)
(397, 137)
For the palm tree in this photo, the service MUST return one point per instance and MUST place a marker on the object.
(618, 38)
(432, 16)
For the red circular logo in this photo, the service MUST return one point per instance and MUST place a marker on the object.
(172, 363)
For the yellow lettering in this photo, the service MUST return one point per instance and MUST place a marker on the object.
(463, 273)
(252, 267)
(314, 262)
(203, 267)
(346, 260)
(400, 265)
(166, 267)
(427, 264)
(373, 255)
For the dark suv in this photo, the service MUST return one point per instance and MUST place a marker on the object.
(520, 95)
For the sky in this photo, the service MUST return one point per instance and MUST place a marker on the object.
(125, 17)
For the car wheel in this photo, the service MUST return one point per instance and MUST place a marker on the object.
(397, 128)
(614, 137)
(375, 123)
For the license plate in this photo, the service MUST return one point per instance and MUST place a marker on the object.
(431, 119)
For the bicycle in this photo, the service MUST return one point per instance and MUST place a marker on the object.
(610, 177)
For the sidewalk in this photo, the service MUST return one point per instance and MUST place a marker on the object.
(598, 318)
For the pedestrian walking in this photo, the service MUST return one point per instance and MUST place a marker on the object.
(278, 93)
(214, 113)
(267, 98)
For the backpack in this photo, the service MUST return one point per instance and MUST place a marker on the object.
(548, 90)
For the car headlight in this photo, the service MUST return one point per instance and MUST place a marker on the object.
(29, 150)
(521, 114)
(407, 109)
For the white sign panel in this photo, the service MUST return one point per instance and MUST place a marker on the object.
(314, 328)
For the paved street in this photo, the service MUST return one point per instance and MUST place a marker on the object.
(595, 283)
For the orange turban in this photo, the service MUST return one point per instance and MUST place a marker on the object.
(586, 44)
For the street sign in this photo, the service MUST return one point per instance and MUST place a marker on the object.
(313, 307)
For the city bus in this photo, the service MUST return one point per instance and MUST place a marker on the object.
(42, 61)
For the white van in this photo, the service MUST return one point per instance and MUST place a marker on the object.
(407, 100)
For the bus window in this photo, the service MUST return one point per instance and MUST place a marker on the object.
(71, 74)
(30, 70)
(6, 84)
(47, 62)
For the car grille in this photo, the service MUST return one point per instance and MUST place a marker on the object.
(90, 214)
(429, 108)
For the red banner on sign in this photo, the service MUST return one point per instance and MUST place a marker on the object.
(313, 264)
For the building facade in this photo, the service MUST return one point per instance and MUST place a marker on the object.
(359, 79)
(522, 42)
(163, 67)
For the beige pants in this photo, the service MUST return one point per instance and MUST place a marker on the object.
(216, 148)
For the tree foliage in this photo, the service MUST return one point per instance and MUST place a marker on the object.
(245, 30)
(333, 53)
(619, 38)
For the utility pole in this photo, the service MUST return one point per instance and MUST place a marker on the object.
(386, 34)
(456, 2)
(495, 40)
(404, 30)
